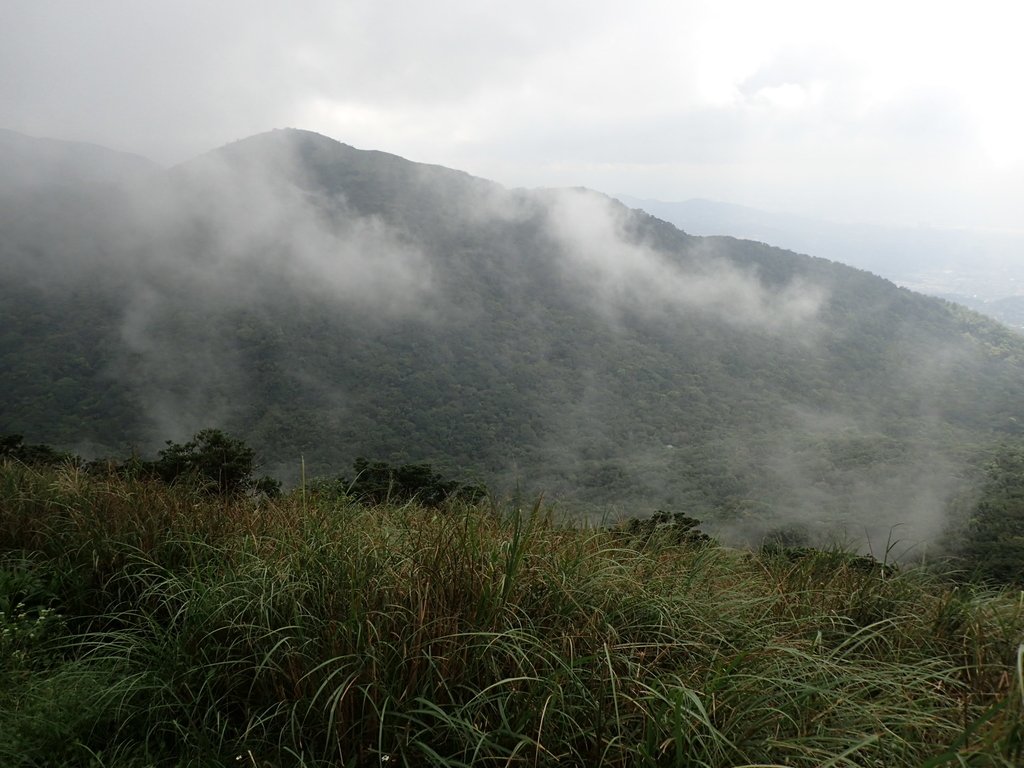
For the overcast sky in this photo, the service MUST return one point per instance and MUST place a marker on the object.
(892, 112)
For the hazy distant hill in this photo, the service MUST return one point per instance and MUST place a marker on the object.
(326, 302)
(32, 162)
(980, 269)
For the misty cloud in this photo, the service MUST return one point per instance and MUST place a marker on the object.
(846, 480)
(313, 295)
(210, 246)
(785, 105)
(636, 277)
(241, 222)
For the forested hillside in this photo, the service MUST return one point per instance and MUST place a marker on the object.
(325, 302)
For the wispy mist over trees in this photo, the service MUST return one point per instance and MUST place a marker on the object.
(325, 303)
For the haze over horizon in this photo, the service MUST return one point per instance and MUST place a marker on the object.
(898, 114)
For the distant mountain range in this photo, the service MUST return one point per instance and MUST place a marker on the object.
(323, 302)
(981, 269)
(45, 163)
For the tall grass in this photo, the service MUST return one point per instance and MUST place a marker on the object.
(152, 626)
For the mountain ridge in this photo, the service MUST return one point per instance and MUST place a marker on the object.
(976, 268)
(329, 302)
(27, 160)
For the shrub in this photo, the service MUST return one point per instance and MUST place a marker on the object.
(14, 447)
(214, 462)
(378, 482)
(677, 528)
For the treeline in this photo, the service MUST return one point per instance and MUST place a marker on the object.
(984, 541)
(211, 462)
(986, 532)
(215, 463)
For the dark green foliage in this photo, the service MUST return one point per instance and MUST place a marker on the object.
(211, 462)
(677, 528)
(989, 539)
(14, 447)
(378, 482)
(829, 559)
(506, 365)
(23, 582)
(790, 536)
(267, 486)
(214, 462)
(210, 459)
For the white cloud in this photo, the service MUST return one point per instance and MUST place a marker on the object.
(625, 276)
(786, 103)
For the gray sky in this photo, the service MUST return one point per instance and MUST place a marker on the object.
(898, 112)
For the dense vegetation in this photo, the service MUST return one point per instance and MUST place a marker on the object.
(983, 543)
(987, 532)
(143, 624)
(325, 303)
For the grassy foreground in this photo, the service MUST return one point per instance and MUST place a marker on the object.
(150, 626)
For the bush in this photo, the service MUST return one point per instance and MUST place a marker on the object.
(14, 447)
(215, 463)
(378, 482)
(677, 528)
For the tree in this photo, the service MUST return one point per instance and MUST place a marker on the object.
(990, 542)
(215, 462)
(378, 482)
(14, 447)
(677, 528)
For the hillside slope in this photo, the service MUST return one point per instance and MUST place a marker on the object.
(975, 267)
(327, 302)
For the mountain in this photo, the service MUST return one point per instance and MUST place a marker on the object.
(977, 268)
(323, 303)
(30, 162)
